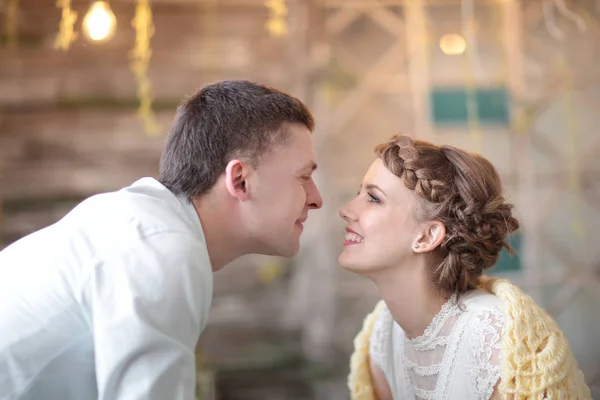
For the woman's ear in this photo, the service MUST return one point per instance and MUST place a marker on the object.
(431, 237)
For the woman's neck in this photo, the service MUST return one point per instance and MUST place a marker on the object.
(410, 297)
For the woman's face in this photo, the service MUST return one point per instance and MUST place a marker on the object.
(382, 226)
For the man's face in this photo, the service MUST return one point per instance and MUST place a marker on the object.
(283, 191)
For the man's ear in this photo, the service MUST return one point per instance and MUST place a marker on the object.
(236, 179)
(431, 237)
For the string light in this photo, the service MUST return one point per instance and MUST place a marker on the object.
(140, 60)
(277, 25)
(10, 23)
(100, 23)
(66, 34)
(453, 44)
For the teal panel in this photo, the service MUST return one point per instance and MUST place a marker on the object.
(492, 106)
(449, 106)
(509, 262)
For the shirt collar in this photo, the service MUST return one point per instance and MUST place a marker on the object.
(182, 205)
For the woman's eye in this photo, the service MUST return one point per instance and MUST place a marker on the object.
(370, 198)
(373, 199)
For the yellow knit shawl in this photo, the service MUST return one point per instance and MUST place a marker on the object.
(537, 362)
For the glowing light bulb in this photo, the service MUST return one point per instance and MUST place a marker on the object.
(453, 44)
(100, 23)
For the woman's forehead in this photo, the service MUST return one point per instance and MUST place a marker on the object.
(392, 186)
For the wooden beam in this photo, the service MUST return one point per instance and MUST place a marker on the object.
(312, 306)
(580, 274)
(375, 78)
(418, 67)
(386, 3)
(389, 21)
(92, 102)
(512, 33)
(340, 20)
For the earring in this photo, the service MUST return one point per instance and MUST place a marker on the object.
(416, 246)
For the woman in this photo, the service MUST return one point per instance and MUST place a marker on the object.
(426, 223)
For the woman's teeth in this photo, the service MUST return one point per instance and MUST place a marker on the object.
(353, 237)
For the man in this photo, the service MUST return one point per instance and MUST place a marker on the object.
(108, 303)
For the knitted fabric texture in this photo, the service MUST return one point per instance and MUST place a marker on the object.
(359, 380)
(537, 362)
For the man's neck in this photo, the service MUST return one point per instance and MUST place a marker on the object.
(223, 243)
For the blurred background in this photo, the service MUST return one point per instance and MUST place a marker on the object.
(88, 90)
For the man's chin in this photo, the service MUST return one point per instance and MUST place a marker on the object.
(289, 250)
(278, 249)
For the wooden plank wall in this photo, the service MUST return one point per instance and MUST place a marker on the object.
(68, 125)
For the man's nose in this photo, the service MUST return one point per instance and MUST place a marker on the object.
(314, 199)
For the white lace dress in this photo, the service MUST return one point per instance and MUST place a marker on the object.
(457, 357)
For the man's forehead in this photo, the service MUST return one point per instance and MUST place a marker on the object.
(298, 152)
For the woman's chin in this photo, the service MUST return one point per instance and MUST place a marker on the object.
(349, 263)
(343, 259)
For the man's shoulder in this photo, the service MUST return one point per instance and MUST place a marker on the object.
(143, 209)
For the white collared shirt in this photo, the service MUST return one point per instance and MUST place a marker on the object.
(108, 303)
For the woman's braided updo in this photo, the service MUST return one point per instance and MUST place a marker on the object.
(463, 192)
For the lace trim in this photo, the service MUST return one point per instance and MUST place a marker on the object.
(436, 341)
(427, 370)
(425, 341)
(485, 357)
(407, 386)
(449, 359)
(425, 394)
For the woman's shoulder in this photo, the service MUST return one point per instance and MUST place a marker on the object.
(482, 344)
(487, 313)
(380, 337)
(481, 301)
